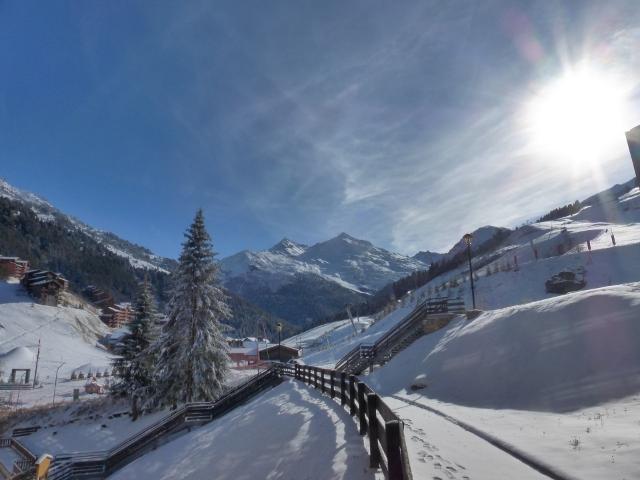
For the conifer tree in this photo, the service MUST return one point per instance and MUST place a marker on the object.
(192, 353)
(134, 366)
(142, 333)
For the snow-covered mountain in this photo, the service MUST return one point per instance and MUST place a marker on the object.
(138, 256)
(427, 257)
(299, 282)
(355, 264)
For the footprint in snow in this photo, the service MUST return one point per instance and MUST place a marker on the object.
(437, 465)
(460, 466)
(452, 469)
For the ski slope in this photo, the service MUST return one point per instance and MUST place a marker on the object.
(68, 336)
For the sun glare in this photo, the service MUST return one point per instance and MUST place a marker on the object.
(579, 118)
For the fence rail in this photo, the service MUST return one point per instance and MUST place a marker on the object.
(387, 448)
(16, 386)
(375, 419)
(102, 463)
(409, 328)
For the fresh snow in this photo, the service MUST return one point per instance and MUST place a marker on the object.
(66, 334)
(288, 432)
(556, 379)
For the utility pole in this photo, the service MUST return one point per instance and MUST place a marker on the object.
(35, 373)
(53, 401)
(467, 239)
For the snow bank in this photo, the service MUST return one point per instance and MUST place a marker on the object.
(559, 354)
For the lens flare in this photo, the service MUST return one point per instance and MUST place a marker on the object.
(579, 118)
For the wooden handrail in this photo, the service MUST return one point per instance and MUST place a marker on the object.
(110, 460)
(387, 448)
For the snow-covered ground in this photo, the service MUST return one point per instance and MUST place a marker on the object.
(67, 336)
(324, 336)
(557, 379)
(289, 432)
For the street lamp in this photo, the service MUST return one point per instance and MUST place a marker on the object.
(279, 326)
(55, 384)
(467, 239)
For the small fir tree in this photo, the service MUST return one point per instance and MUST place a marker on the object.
(135, 363)
(192, 352)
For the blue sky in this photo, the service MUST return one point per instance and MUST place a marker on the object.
(397, 122)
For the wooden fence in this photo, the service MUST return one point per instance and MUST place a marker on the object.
(387, 448)
(396, 338)
(102, 463)
(384, 429)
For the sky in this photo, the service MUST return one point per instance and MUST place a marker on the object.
(403, 123)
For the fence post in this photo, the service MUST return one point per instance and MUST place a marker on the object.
(394, 456)
(322, 380)
(374, 450)
(315, 377)
(333, 388)
(362, 411)
(352, 395)
(297, 373)
(343, 388)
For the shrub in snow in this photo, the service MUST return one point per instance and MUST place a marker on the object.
(192, 352)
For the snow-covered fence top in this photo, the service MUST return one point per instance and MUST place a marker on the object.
(387, 448)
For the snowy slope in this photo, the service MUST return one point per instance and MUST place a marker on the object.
(558, 379)
(289, 432)
(67, 335)
(138, 256)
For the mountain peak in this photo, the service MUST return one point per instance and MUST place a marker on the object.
(428, 257)
(288, 247)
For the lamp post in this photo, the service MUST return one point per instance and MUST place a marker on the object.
(467, 239)
(279, 326)
(55, 384)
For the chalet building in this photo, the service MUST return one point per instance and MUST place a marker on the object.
(45, 287)
(280, 353)
(244, 351)
(14, 266)
(113, 315)
(98, 297)
(117, 315)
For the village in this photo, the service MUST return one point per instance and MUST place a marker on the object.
(19, 370)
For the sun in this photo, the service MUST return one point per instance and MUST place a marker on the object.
(579, 117)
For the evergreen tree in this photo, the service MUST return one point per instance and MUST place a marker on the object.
(192, 352)
(135, 363)
(142, 335)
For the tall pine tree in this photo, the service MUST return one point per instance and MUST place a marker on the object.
(192, 352)
(135, 364)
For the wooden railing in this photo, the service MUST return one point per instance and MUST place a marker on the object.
(384, 429)
(387, 448)
(102, 463)
(357, 358)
